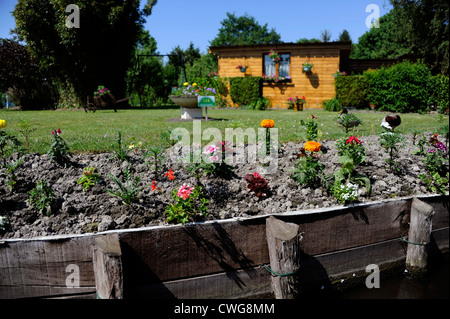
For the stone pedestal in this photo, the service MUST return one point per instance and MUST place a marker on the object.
(189, 113)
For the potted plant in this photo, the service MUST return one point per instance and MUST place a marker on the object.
(186, 97)
(274, 56)
(103, 96)
(243, 68)
(307, 66)
(296, 103)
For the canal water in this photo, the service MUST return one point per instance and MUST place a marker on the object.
(434, 285)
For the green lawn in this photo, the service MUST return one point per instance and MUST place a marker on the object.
(95, 132)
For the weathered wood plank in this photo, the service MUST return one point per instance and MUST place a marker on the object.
(107, 260)
(283, 240)
(421, 222)
(42, 267)
(334, 240)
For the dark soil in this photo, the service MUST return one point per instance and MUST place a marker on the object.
(95, 210)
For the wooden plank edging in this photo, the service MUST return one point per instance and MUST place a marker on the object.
(226, 248)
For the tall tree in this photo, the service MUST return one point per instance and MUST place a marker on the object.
(96, 53)
(21, 77)
(344, 36)
(181, 60)
(244, 30)
(423, 28)
(325, 36)
(417, 28)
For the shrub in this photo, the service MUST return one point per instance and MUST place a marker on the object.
(440, 96)
(351, 91)
(245, 90)
(332, 105)
(404, 87)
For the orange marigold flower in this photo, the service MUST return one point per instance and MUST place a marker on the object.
(267, 123)
(312, 146)
(169, 174)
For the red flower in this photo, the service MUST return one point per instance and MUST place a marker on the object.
(303, 97)
(313, 117)
(170, 175)
(153, 185)
(353, 140)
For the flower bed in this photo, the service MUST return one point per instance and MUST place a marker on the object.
(76, 211)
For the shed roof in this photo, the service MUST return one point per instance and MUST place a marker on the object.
(280, 46)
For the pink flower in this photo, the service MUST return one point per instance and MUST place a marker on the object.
(58, 131)
(214, 158)
(53, 133)
(210, 149)
(184, 191)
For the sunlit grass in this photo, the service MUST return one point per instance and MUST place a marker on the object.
(95, 132)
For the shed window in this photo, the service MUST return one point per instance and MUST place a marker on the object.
(280, 69)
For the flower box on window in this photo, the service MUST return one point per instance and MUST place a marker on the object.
(276, 79)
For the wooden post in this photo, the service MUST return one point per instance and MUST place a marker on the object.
(284, 241)
(108, 267)
(418, 237)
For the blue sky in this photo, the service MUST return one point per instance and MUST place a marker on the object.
(180, 22)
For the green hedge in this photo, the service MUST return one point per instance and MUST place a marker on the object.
(245, 90)
(403, 87)
(440, 96)
(352, 91)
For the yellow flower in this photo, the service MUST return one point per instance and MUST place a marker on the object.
(312, 146)
(2, 123)
(195, 84)
(267, 123)
(186, 84)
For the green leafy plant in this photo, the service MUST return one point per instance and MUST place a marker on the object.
(120, 152)
(392, 142)
(101, 91)
(59, 151)
(188, 204)
(348, 174)
(308, 170)
(436, 161)
(89, 178)
(435, 182)
(4, 223)
(332, 105)
(25, 128)
(423, 141)
(11, 175)
(128, 190)
(348, 121)
(185, 204)
(156, 155)
(353, 148)
(9, 144)
(43, 198)
(312, 128)
(210, 161)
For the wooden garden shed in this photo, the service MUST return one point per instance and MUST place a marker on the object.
(316, 86)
